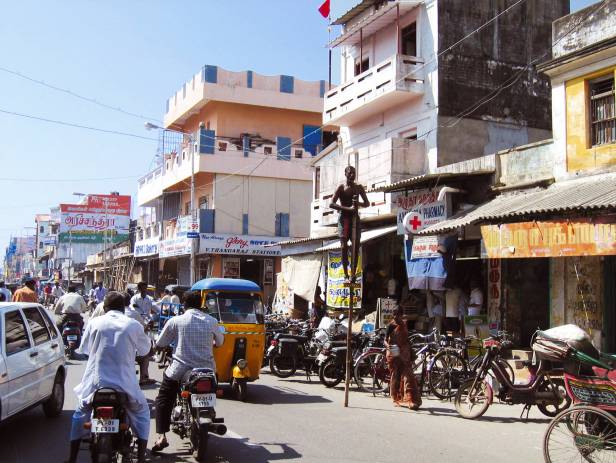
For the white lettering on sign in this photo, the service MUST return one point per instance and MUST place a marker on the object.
(425, 202)
(218, 243)
(147, 247)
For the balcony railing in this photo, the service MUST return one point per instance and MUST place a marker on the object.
(387, 84)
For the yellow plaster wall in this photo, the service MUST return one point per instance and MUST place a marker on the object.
(580, 154)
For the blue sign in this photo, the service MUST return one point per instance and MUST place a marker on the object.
(193, 235)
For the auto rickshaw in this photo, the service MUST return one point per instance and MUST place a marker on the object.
(237, 305)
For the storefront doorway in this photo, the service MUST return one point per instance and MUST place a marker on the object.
(250, 269)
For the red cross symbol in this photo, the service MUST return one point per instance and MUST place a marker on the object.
(415, 223)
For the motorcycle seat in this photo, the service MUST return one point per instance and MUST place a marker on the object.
(293, 338)
(197, 373)
(109, 397)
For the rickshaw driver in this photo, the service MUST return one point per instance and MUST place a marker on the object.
(194, 333)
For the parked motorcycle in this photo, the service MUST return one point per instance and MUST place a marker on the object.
(194, 416)
(475, 395)
(71, 336)
(110, 432)
(332, 359)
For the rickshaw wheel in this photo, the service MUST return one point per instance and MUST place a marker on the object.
(239, 387)
(581, 433)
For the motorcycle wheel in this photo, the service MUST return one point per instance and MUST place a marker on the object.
(104, 449)
(471, 408)
(199, 438)
(283, 367)
(565, 403)
(329, 373)
(239, 387)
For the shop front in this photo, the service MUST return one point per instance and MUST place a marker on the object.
(174, 261)
(147, 261)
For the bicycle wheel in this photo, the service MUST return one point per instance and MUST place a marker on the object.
(446, 372)
(565, 400)
(366, 367)
(473, 403)
(582, 433)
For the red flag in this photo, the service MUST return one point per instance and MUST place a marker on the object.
(324, 9)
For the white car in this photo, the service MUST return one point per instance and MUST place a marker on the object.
(32, 369)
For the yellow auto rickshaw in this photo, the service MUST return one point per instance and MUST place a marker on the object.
(237, 305)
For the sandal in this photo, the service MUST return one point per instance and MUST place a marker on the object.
(146, 382)
(159, 446)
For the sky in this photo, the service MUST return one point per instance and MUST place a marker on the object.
(130, 55)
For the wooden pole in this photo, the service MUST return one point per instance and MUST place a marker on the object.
(352, 284)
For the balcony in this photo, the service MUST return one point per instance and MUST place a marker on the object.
(390, 83)
(228, 159)
(379, 163)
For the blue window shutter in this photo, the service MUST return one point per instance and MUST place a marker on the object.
(322, 89)
(209, 74)
(283, 147)
(244, 224)
(249, 79)
(286, 84)
(206, 220)
(284, 224)
(312, 139)
(277, 224)
(207, 141)
(246, 145)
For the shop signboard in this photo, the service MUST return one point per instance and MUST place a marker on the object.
(386, 307)
(425, 202)
(425, 247)
(189, 226)
(231, 267)
(582, 237)
(178, 246)
(337, 293)
(494, 293)
(100, 217)
(247, 245)
(147, 247)
(49, 240)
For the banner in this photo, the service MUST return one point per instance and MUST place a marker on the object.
(582, 237)
(337, 293)
(178, 246)
(248, 245)
(147, 247)
(99, 216)
(426, 202)
(425, 247)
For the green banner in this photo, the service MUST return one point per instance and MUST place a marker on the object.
(77, 237)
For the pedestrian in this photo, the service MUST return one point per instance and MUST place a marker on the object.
(403, 384)
(57, 292)
(166, 298)
(6, 291)
(110, 342)
(194, 334)
(475, 303)
(175, 297)
(100, 292)
(27, 293)
(434, 304)
(318, 308)
(47, 292)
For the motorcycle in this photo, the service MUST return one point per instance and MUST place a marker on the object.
(332, 359)
(110, 432)
(194, 416)
(475, 395)
(71, 336)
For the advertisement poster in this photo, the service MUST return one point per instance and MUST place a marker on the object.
(584, 290)
(247, 245)
(425, 247)
(494, 293)
(99, 216)
(337, 294)
(179, 246)
(231, 267)
(426, 202)
(550, 239)
(386, 307)
(268, 270)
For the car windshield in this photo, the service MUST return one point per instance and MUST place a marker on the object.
(230, 307)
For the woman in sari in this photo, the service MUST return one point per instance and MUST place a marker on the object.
(403, 386)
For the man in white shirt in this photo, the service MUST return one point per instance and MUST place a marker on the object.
(144, 306)
(111, 342)
(70, 306)
(57, 292)
(175, 298)
(144, 362)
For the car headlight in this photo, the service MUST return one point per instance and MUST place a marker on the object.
(242, 363)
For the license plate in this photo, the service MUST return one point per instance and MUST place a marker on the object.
(100, 426)
(321, 358)
(72, 337)
(203, 400)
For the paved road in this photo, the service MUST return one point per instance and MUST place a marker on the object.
(294, 420)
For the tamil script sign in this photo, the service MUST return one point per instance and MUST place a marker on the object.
(425, 202)
(99, 216)
(550, 239)
(147, 247)
(178, 246)
(220, 243)
(425, 247)
(337, 293)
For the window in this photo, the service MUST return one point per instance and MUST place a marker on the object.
(299, 154)
(282, 224)
(38, 328)
(267, 150)
(222, 146)
(203, 202)
(244, 224)
(42, 229)
(361, 67)
(16, 334)
(317, 182)
(602, 111)
(187, 208)
(408, 40)
(49, 323)
(41, 245)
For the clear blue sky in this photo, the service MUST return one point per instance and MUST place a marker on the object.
(130, 54)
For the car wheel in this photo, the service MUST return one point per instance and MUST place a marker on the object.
(52, 407)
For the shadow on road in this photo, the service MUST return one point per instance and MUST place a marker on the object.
(267, 395)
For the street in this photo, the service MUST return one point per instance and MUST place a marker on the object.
(297, 420)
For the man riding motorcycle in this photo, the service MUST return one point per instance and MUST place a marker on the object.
(111, 341)
(70, 306)
(194, 334)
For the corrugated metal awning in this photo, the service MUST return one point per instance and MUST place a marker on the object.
(366, 236)
(597, 192)
(427, 180)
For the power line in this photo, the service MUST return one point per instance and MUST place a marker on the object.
(76, 95)
(78, 126)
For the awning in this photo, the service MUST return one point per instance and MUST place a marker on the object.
(373, 22)
(302, 274)
(597, 192)
(428, 180)
(367, 235)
